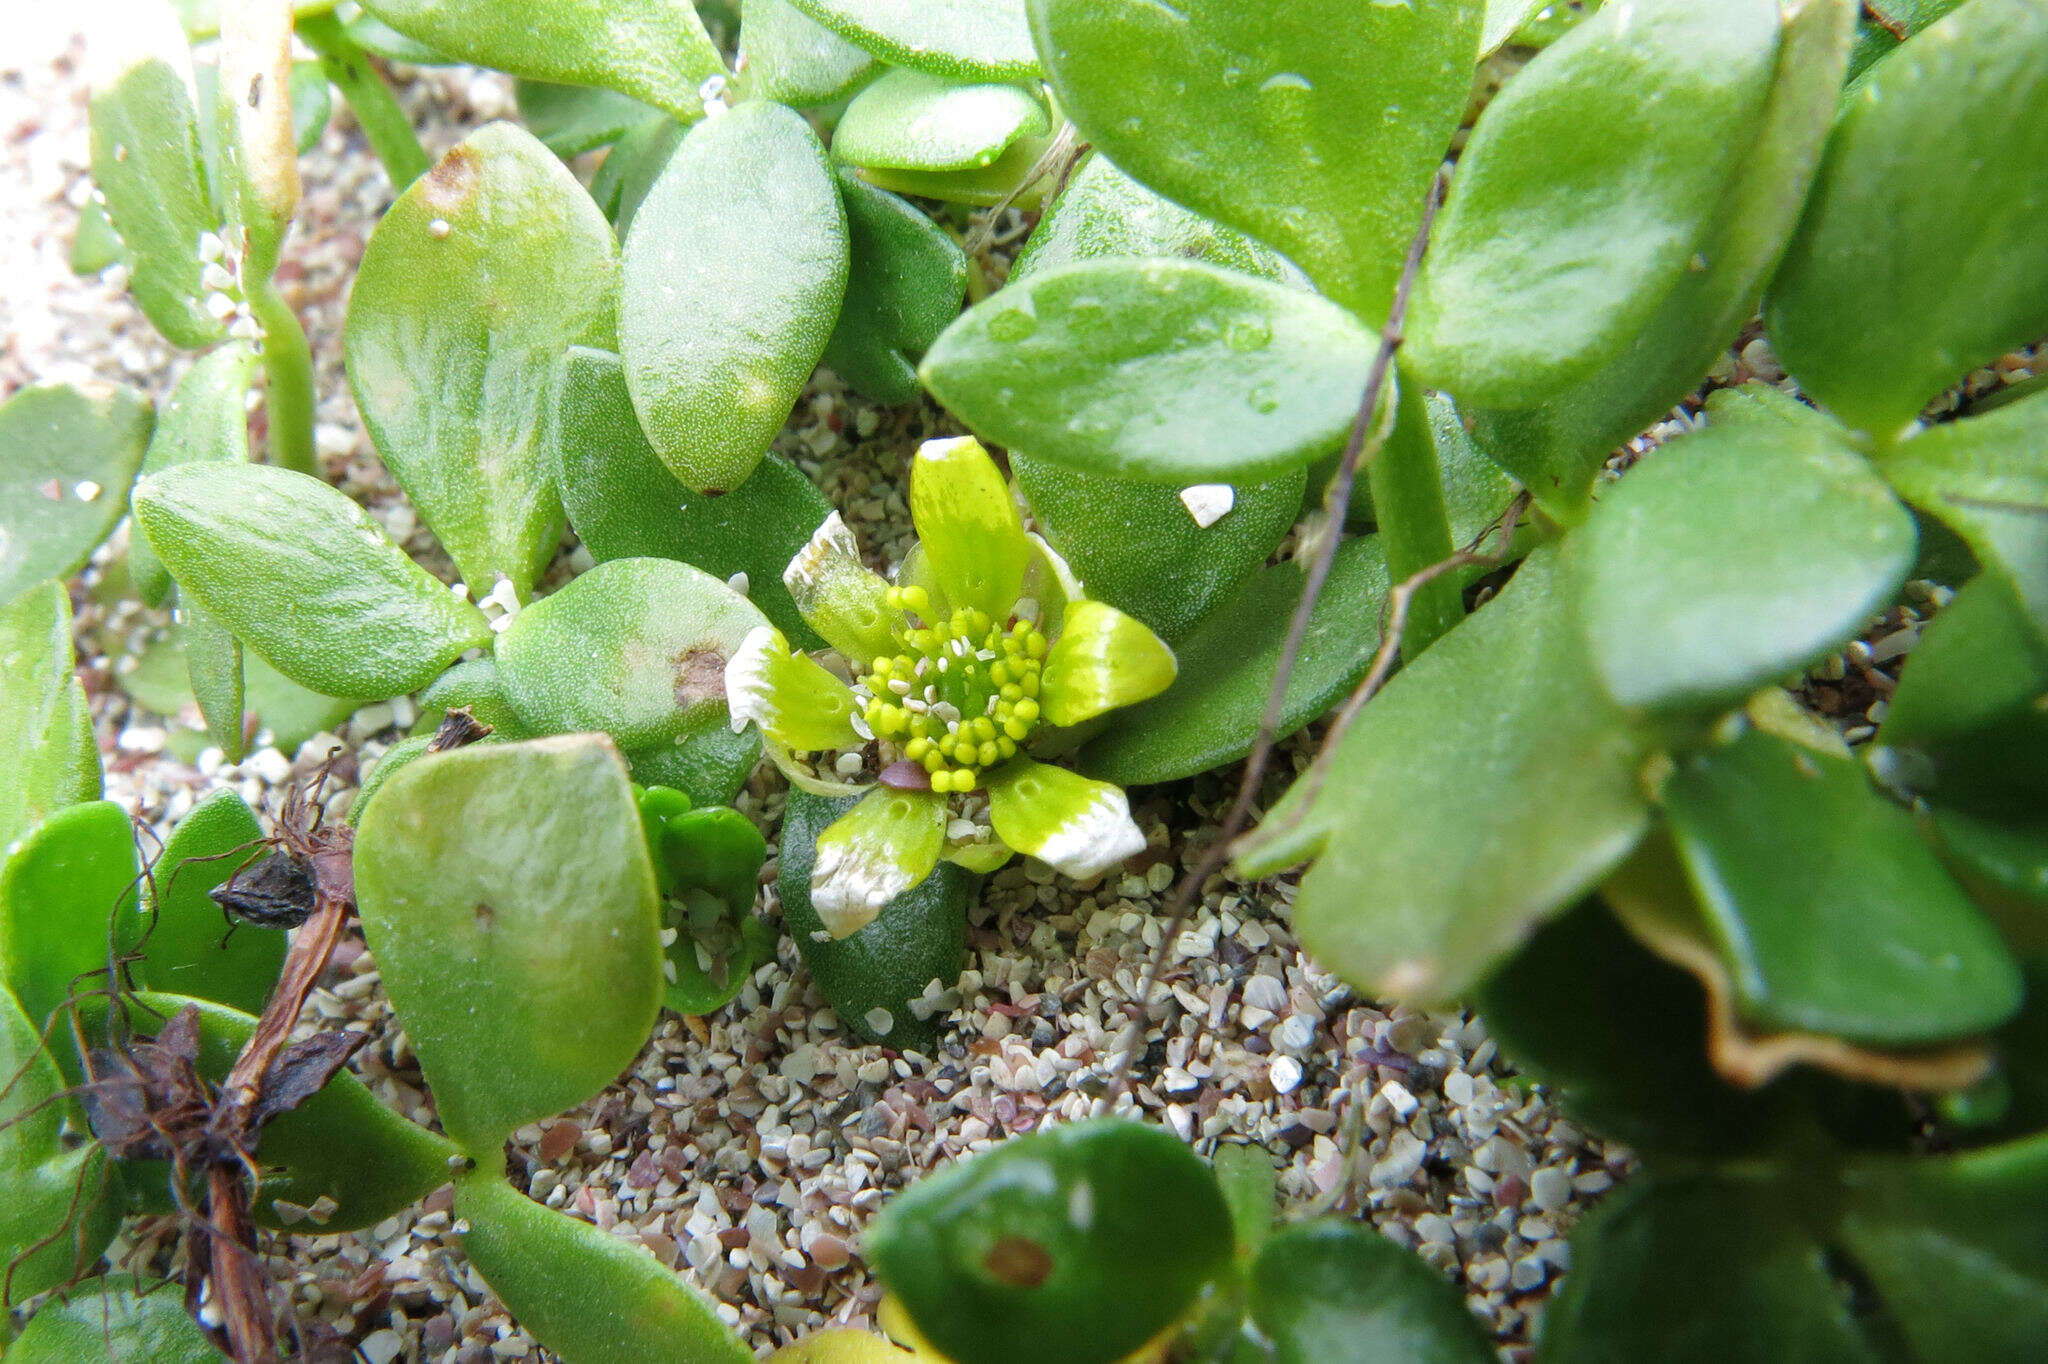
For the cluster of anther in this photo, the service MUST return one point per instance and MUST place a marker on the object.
(961, 694)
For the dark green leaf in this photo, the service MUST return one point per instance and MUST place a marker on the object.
(1015, 178)
(67, 456)
(1315, 130)
(961, 39)
(206, 419)
(630, 168)
(1557, 447)
(301, 575)
(1987, 477)
(1340, 1293)
(1074, 1243)
(1168, 371)
(906, 282)
(1407, 487)
(1208, 717)
(191, 951)
(478, 684)
(1957, 1249)
(652, 50)
(786, 56)
(635, 648)
(710, 765)
(213, 664)
(519, 872)
(67, 906)
(1979, 661)
(1589, 184)
(734, 272)
(574, 119)
(145, 161)
(1103, 212)
(1138, 546)
(707, 866)
(551, 1269)
(625, 504)
(1690, 1269)
(1485, 789)
(1933, 183)
(1733, 557)
(105, 1319)
(470, 288)
(1832, 913)
(312, 105)
(46, 730)
(918, 937)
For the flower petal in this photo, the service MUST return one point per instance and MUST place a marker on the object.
(1102, 659)
(973, 538)
(873, 853)
(843, 599)
(789, 695)
(1071, 822)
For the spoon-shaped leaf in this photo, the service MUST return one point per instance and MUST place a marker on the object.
(67, 456)
(191, 951)
(107, 1319)
(56, 1217)
(789, 57)
(67, 905)
(910, 121)
(303, 576)
(1313, 126)
(962, 39)
(653, 50)
(1169, 371)
(1104, 212)
(507, 894)
(1329, 1290)
(45, 720)
(734, 271)
(206, 418)
(471, 286)
(906, 283)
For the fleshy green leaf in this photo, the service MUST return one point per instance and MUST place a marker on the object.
(961, 39)
(1589, 184)
(191, 951)
(1987, 477)
(789, 57)
(711, 767)
(67, 906)
(1934, 180)
(734, 272)
(635, 648)
(1103, 212)
(1503, 18)
(45, 720)
(1208, 717)
(551, 1268)
(1406, 481)
(304, 577)
(1832, 913)
(206, 419)
(1015, 178)
(213, 664)
(917, 938)
(652, 50)
(1759, 1285)
(1978, 662)
(312, 105)
(1955, 1249)
(574, 119)
(95, 245)
(1486, 788)
(707, 866)
(1074, 1243)
(67, 456)
(1167, 371)
(470, 288)
(54, 1187)
(905, 285)
(519, 872)
(1314, 129)
(630, 169)
(1138, 546)
(1336, 1291)
(145, 161)
(625, 504)
(1733, 557)
(1558, 447)
(908, 120)
(106, 1319)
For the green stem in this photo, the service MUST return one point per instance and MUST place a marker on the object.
(288, 363)
(1408, 502)
(384, 124)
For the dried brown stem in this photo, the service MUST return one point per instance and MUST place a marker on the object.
(1362, 444)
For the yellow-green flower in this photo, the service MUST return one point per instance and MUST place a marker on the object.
(982, 650)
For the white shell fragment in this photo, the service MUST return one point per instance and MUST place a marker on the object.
(1207, 502)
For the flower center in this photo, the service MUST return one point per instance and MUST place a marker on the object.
(961, 694)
